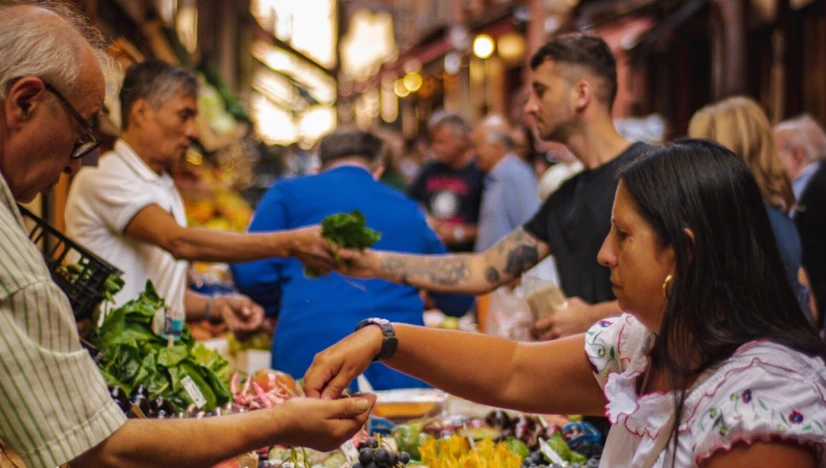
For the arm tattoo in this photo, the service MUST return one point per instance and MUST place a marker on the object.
(522, 252)
(492, 275)
(445, 270)
(521, 258)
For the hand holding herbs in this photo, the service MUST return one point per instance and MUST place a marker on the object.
(345, 230)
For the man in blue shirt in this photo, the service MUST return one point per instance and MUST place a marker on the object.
(510, 196)
(315, 313)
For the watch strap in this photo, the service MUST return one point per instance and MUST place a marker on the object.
(390, 342)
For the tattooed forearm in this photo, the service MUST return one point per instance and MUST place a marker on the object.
(427, 272)
(492, 275)
(520, 259)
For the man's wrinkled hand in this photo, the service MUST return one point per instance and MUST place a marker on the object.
(239, 313)
(334, 368)
(322, 424)
(313, 250)
(576, 317)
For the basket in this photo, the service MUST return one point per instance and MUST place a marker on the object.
(84, 289)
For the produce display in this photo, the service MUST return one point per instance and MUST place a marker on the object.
(134, 356)
(153, 375)
(347, 231)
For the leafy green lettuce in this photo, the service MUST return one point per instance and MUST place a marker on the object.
(133, 355)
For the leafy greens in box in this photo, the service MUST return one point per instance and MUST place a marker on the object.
(134, 355)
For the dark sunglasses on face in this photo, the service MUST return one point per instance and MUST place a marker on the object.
(89, 140)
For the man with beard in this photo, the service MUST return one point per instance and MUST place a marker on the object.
(129, 212)
(573, 90)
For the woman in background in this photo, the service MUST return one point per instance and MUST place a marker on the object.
(739, 124)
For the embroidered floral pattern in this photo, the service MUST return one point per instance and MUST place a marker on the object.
(600, 355)
(754, 410)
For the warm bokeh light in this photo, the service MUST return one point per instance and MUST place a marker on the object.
(400, 88)
(413, 82)
(310, 26)
(483, 46)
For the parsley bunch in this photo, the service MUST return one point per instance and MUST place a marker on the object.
(346, 230)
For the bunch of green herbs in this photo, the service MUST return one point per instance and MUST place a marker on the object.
(348, 231)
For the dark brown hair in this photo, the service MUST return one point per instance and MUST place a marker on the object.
(587, 51)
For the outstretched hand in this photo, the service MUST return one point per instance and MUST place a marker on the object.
(334, 368)
(313, 250)
(323, 424)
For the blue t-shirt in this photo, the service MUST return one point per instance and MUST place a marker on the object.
(314, 314)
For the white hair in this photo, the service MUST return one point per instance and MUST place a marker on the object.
(49, 49)
(497, 131)
(805, 133)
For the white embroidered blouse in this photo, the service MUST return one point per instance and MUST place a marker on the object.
(764, 392)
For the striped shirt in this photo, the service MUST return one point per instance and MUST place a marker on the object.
(54, 404)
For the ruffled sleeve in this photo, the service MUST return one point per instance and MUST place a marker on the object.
(764, 393)
(617, 345)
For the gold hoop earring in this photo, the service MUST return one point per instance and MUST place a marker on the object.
(667, 286)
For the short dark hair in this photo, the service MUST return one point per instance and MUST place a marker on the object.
(585, 50)
(154, 81)
(350, 143)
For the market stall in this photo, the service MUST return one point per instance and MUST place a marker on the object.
(155, 369)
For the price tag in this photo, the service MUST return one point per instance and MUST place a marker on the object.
(350, 452)
(194, 392)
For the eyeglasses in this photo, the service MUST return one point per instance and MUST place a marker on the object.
(89, 140)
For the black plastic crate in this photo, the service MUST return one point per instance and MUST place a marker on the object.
(84, 289)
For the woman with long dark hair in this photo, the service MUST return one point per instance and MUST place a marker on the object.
(712, 364)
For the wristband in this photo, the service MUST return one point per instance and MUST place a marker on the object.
(208, 311)
(390, 343)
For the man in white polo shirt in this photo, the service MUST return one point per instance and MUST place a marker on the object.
(128, 210)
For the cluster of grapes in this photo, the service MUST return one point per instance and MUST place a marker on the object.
(538, 460)
(373, 456)
(158, 408)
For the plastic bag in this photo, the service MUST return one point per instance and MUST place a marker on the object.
(509, 315)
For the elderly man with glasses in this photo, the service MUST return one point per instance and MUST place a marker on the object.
(54, 404)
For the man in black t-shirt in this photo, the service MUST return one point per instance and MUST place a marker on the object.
(450, 188)
(574, 86)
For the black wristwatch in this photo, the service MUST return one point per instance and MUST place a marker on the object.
(390, 343)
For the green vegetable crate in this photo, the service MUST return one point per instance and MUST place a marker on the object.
(84, 277)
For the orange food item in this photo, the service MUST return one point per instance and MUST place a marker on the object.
(269, 379)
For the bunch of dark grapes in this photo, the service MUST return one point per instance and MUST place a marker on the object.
(373, 456)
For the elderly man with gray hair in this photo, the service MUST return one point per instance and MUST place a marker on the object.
(54, 403)
(509, 195)
(802, 146)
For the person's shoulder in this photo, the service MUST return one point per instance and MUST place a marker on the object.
(617, 344)
(109, 168)
(638, 148)
(765, 390)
